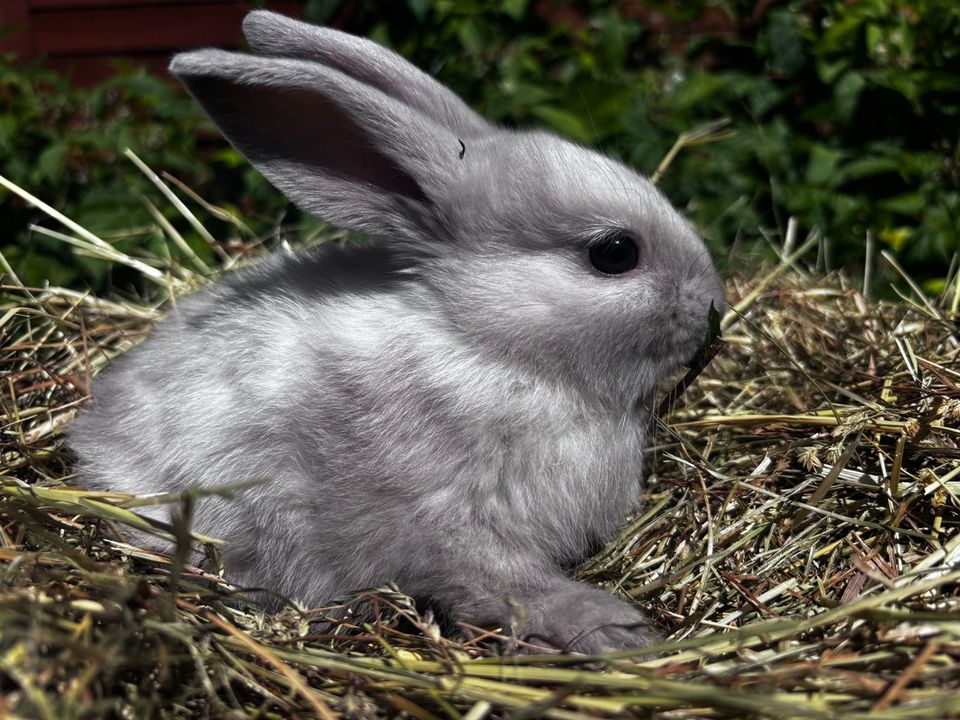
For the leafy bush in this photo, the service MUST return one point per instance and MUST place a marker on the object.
(845, 114)
(66, 146)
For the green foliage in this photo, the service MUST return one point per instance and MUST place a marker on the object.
(66, 146)
(846, 115)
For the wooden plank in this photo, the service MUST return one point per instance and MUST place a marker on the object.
(54, 5)
(89, 70)
(15, 16)
(89, 39)
(123, 30)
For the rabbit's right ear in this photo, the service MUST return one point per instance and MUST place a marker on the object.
(339, 148)
(270, 33)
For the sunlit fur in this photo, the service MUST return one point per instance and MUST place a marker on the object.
(459, 404)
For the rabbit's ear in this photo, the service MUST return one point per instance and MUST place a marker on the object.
(338, 148)
(271, 34)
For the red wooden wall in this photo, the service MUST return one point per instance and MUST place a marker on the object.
(88, 37)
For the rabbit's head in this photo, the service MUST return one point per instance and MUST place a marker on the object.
(538, 251)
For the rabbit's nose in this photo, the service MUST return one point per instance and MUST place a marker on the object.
(696, 295)
(709, 284)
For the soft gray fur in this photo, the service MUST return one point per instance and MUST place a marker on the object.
(459, 405)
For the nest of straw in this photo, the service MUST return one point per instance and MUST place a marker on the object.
(800, 539)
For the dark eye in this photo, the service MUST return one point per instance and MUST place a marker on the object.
(614, 254)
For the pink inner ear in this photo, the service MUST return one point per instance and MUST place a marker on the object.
(304, 127)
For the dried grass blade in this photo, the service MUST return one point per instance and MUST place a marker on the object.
(98, 243)
(293, 677)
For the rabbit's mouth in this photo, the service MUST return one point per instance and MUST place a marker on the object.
(679, 351)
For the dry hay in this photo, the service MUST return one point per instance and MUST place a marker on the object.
(799, 541)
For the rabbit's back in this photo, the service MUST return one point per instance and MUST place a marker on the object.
(208, 398)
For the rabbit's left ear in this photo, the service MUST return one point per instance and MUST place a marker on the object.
(337, 147)
(278, 36)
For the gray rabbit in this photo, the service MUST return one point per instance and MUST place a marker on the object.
(459, 404)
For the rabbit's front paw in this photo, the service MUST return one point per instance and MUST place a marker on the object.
(587, 620)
